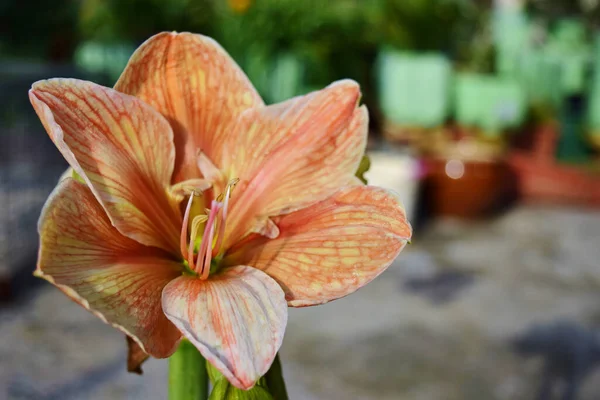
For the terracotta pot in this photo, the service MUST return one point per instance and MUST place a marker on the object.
(467, 189)
(541, 179)
(553, 183)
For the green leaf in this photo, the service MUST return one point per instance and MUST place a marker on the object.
(223, 390)
(213, 374)
(70, 173)
(269, 387)
(364, 166)
(275, 382)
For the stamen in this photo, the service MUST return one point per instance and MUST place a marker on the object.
(184, 227)
(230, 185)
(214, 230)
(206, 244)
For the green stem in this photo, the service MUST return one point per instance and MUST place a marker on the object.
(188, 379)
(275, 382)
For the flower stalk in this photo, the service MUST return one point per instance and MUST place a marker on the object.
(188, 378)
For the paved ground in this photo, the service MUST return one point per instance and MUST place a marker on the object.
(436, 325)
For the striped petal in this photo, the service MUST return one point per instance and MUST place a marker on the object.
(330, 249)
(326, 170)
(121, 148)
(196, 85)
(236, 319)
(117, 279)
(294, 153)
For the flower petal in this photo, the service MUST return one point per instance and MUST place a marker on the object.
(236, 319)
(327, 169)
(294, 153)
(114, 277)
(121, 148)
(330, 249)
(135, 356)
(193, 82)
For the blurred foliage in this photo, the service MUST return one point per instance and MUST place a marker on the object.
(343, 35)
(346, 34)
(136, 20)
(426, 24)
(286, 46)
(552, 10)
(335, 34)
(38, 29)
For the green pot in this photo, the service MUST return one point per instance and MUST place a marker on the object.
(414, 88)
(489, 103)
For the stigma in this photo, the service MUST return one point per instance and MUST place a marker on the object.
(206, 234)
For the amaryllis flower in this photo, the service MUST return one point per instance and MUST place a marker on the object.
(196, 211)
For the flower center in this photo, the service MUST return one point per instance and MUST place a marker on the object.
(199, 250)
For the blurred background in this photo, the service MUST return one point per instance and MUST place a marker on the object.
(485, 118)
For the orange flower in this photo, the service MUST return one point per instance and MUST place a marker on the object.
(199, 211)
